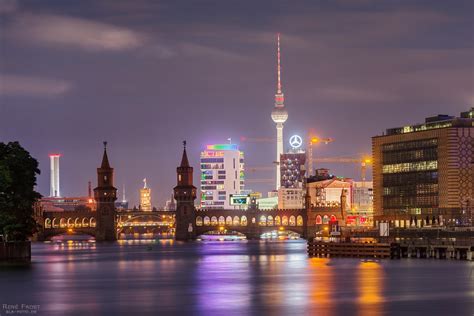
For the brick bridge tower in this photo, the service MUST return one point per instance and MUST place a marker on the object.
(185, 194)
(105, 195)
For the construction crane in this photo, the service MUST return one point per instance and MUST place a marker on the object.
(364, 162)
(313, 140)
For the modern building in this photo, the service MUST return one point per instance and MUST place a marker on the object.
(145, 198)
(54, 180)
(222, 174)
(292, 170)
(422, 173)
(279, 115)
(65, 204)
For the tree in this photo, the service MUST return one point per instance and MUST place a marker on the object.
(18, 172)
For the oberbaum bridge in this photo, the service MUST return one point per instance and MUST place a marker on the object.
(107, 224)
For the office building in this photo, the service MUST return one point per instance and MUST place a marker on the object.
(422, 173)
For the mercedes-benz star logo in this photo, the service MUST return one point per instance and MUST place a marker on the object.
(296, 141)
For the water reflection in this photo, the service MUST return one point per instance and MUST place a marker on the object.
(230, 278)
(370, 282)
(322, 282)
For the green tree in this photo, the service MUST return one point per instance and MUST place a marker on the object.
(18, 172)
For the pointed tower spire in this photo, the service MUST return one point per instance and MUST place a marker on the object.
(184, 159)
(279, 67)
(105, 160)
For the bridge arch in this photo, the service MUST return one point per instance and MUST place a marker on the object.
(277, 220)
(284, 220)
(333, 218)
(85, 222)
(262, 221)
(207, 221)
(325, 219)
(55, 223)
(270, 220)
(213, 221)
(92, 222)
(236, 221)
(70, 222)
(198, 221)
(243, 221)
(228, 221)
(77, 223)
(299, 220)
(62, 223)
(292, 220)
(221, 220)
(47, 223)
(319, 220)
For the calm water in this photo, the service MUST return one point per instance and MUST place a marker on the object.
(231, 278)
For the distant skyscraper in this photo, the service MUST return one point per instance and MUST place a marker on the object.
(145, 197)
(54, 188)
(222, 174)
(279, 115)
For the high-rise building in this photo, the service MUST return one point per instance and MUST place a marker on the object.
(145, 198)
(292, 169)
(279, 115)
(422, 173)
(222, 174)
(54, 180)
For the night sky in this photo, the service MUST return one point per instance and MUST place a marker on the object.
(144, 75)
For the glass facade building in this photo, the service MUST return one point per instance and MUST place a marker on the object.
(423, 173)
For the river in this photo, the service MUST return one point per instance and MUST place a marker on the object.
(228, 278)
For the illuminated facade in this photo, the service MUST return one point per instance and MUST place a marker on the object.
(222, 174)
(54, 180)
(423, 173)
(279, 116)
(145, 198)
(292, 169)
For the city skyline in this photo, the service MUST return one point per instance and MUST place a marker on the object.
(195, 69)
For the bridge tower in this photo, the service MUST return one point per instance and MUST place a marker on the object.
(105, 195)
(253, 218)
(185, 194)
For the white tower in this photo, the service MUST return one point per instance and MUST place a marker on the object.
(279, 116)
(54, 186)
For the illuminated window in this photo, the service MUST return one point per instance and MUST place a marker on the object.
(410, 167)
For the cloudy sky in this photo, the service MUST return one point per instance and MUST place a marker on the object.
(145, 74)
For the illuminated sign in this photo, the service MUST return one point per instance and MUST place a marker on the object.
(222, 147)
(296, 141)
(239, 199)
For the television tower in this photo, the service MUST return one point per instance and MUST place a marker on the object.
(279, 115)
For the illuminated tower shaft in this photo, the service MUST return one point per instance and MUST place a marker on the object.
(279, 127)
(54, 181)
(279, 116)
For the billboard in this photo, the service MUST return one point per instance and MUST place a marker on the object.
(239, 199)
